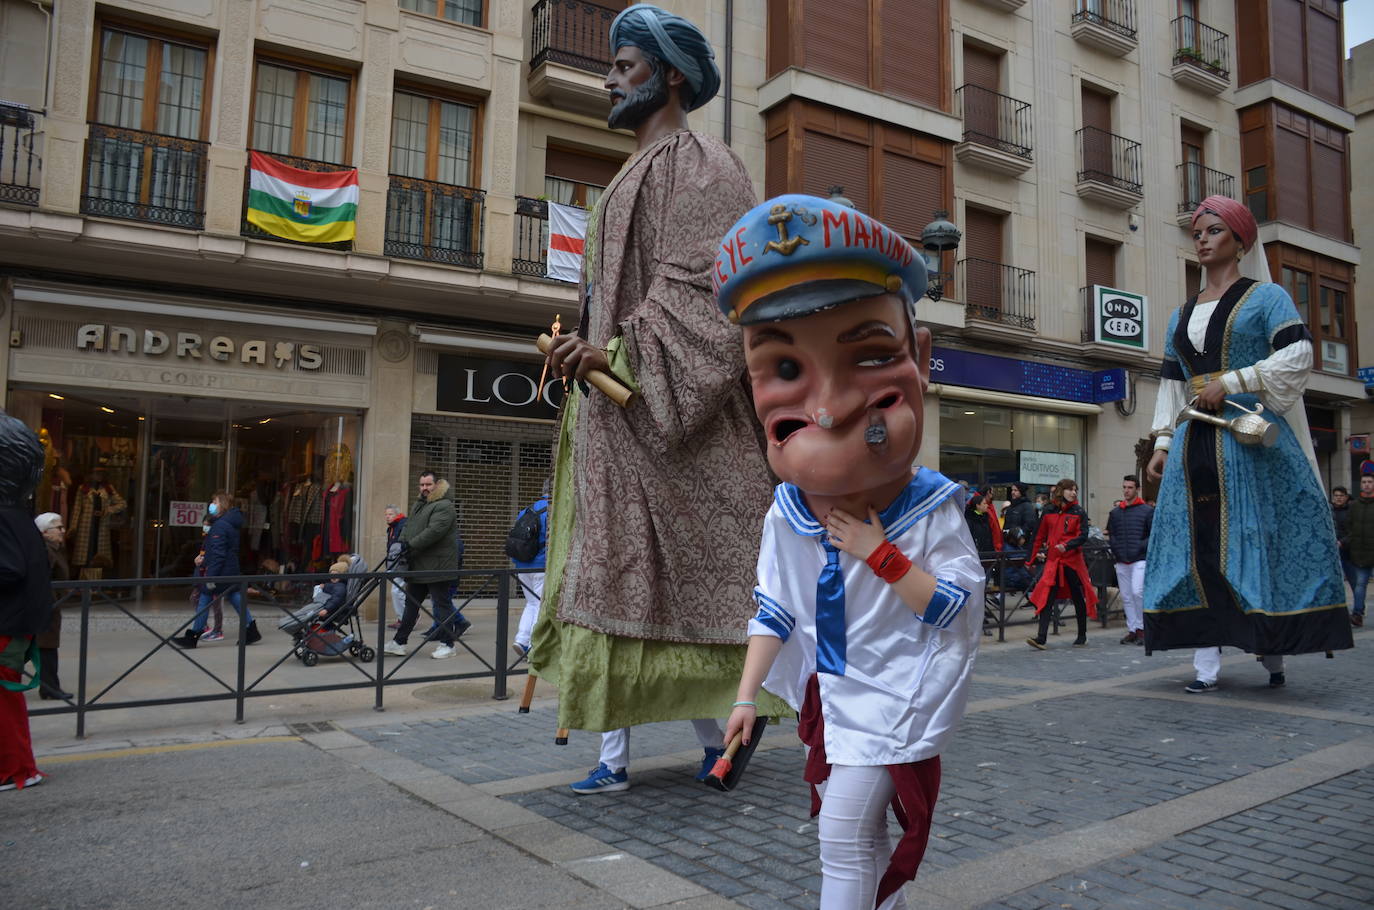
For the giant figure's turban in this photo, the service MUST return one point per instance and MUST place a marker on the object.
(674, 40)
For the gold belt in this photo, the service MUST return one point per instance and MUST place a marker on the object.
(1200, 381)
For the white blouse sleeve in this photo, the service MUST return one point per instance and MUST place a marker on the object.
(1278, 379)
(1173, 395)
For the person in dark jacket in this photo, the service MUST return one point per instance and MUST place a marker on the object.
(25, 597)
(1360, 533)
(1063, 531)
(1128, 533)
(221, 559)
(1020, 519)
(1340, 518)
(395, 524)
(976, 514)
(54, 532)
(429, 545)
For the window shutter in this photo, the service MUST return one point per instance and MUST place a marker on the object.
(828, 161)
(913, 51)
(579, 168)
(835, 38)
(1099, 261)
(1294, 176)
(1324, 56)
(1097, 109)
(775, 165)
(1330, 200)
(913, 190)
(780, 27)
(983, 260)
(982, 68)
(1286, 55)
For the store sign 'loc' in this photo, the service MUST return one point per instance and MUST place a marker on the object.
(192, 346)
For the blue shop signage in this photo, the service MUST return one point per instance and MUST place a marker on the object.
(1366, 375)
(1026, 377)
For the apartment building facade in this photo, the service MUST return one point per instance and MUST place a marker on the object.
(158, 335)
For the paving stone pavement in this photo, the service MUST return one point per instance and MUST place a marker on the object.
(1060, 750)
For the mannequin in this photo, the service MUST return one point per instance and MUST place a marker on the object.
(56, 480)
(338, 501)
(96, 503)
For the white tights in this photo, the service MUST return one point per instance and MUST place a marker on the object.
(615, 744)
(855, 848)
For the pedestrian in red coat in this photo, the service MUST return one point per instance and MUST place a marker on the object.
(1062, 532)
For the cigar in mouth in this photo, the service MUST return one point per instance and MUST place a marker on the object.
(875, 434)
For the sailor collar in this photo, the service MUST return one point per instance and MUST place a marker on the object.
(917, 500)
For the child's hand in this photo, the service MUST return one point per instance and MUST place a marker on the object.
(853, 536)
(741, 719)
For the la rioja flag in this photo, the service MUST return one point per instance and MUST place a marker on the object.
(567, 235)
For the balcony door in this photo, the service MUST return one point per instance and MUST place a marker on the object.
(982, 85)
(433, 212)
(146, 155)
(983, 233)
(1097, 133)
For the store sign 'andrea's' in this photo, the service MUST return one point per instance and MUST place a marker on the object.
(192, 346)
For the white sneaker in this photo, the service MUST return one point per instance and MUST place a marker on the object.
(393, 647)
(442, 652)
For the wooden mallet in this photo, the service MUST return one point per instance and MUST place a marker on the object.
(730, 766)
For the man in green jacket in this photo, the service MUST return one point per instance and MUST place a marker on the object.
(428, 544)
(1360, 530)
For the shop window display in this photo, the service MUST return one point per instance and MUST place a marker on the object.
(132, 477)
(980, 443)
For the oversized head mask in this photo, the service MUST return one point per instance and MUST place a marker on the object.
(826, 296)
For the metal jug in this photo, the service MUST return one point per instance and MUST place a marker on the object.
(1249, 428)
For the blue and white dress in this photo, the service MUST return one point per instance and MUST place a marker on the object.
(1242, 552)
(893, 685)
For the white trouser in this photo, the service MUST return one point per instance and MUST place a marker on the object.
(1130, 581)
(615, 744)
(533, 585)
(855, 848)
(398, 598)
(1207, 663)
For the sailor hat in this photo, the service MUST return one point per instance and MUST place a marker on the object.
(796, 255)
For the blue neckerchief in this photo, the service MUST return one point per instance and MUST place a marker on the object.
(917, 500)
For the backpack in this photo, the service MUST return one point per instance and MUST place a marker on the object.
(525, 538)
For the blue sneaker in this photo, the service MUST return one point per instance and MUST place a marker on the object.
(709, 762)
(602, 780)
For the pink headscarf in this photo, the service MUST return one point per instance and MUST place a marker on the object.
(1236, 216)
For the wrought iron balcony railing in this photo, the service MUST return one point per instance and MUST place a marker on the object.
(21, 166)
(1196, 183)
(1108, 158)
(572, 32)
(436, 222)
(995, 120)
(531, 255)
(1116, 15)
(998, 292)
(144, 177)
(1202, 46)
(248, 229)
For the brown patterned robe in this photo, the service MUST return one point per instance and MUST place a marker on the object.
(671, 492)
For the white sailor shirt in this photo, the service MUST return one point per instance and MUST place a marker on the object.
(893, 685)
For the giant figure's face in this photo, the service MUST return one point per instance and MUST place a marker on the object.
(638, 88)
(840, 394)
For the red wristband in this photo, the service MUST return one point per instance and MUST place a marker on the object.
(888, 562)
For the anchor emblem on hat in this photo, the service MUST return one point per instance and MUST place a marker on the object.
(779, 215)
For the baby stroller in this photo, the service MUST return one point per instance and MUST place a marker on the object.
(340, 630)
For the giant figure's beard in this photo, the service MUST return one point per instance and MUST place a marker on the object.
(643, 101)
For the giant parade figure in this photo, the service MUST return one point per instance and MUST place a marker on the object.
(1242, 552)
(656, 507)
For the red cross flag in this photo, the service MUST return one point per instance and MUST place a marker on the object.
(567, 235)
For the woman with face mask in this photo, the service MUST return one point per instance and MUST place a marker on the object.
(221, 559)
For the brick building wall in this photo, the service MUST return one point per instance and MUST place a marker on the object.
(495, 467)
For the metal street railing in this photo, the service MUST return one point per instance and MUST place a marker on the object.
(572, 32)
(995, 120)
(143, 176)
(375, 669)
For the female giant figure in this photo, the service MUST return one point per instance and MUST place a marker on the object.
(1242, 552)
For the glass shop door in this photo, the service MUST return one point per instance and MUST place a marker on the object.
(186, 466)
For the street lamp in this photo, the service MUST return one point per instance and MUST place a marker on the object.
(938, 237)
